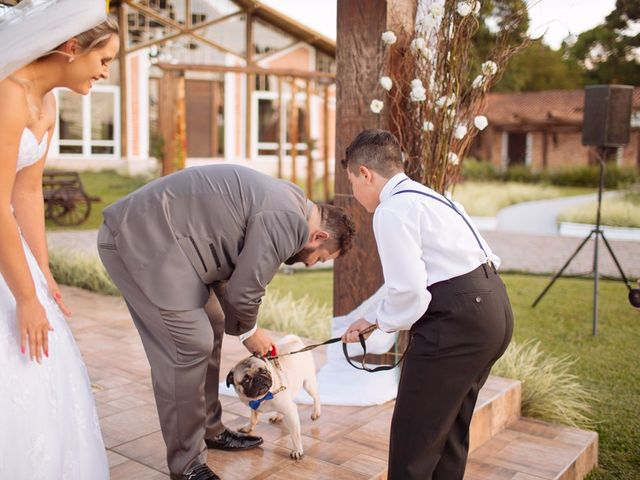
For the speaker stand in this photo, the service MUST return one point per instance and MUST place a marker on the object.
(596, 233)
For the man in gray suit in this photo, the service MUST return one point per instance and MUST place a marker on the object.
(192, 254)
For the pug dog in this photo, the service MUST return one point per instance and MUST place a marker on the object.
(271, 385)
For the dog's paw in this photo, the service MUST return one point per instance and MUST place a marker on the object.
(296, 455)
(276, 418)
(245, 429)
(315, 415)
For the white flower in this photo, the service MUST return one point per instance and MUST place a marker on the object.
(389, 38)
(418, 93)
(451, 100)
(427, 126)
(461, 131)
(437, 10)
(464, 8)
(489, 68)
(478, 81)
(386, 83)
(376, 105)
(427, 53)
(416, 82)
(476, 9)
(453, 158)
(441, 101)
(418, 44)
(481, 122)
(427, 23)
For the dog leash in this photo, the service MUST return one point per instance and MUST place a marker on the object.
(361, 337)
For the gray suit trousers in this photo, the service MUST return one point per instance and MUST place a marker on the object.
(183, 349)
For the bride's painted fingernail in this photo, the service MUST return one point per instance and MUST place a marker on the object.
(57, 296)
(22, 350)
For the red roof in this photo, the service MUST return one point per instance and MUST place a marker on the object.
(559, 107)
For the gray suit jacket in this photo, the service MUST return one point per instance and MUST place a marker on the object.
(180, 233)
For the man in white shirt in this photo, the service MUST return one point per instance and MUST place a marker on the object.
(442, 286)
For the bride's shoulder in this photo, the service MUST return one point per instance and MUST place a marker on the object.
(14, 109)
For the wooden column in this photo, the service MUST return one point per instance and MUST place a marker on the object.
(279, 132)
(360, 63)
(173, 121)
(293, 131)
(307, 133)
(325, 144)
(545, 149)
(122, 64)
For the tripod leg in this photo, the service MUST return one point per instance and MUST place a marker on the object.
(596, 282)
(615, 259)
(557, 275)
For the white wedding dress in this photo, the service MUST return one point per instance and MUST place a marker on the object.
(49, 428)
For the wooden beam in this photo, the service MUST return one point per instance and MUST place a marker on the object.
(293, 131)
(122, 63)
(250, 79)
(173, 121)
(307, 133)
(279, 132)
(325, 77)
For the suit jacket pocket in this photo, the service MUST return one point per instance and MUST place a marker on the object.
(197, 258)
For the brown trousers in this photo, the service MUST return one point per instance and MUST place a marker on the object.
(466, 328)
(183, 349)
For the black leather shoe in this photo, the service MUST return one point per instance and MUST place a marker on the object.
(233, 441)
(199, 472)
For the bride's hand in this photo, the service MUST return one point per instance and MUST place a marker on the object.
(34, 328)
(55, 293)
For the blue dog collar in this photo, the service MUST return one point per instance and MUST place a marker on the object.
(255, 404)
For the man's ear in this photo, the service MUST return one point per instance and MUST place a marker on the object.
(320, 235)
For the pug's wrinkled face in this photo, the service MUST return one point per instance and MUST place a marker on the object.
(250, 378)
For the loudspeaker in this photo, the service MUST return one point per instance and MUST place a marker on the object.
(607, 115)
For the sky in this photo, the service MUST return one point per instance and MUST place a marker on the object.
(555, 19)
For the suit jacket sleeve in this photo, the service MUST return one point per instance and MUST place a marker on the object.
(271, 238)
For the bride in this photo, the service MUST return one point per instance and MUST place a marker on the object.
(48, 423)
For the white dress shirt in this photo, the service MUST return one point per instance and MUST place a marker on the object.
(421, 241)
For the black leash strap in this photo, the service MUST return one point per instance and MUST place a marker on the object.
(346, 353)
(363, 365)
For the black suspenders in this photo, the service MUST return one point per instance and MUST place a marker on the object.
(451, 205)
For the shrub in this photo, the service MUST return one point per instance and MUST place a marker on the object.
(302, 316)
(550, 391)
(80, 270)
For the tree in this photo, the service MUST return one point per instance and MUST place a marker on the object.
(610, 53)
(539, 67)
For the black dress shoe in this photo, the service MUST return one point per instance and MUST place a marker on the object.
(199, 472)
(233, 441)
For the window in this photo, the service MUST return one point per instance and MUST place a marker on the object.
(88, 126)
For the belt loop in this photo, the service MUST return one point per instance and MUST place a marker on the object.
(484, 267)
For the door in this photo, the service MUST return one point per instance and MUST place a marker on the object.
(205, 120)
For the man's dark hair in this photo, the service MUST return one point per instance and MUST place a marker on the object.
(339, 225)
(378, 150)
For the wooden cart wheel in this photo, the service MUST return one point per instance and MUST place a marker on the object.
(69, 206)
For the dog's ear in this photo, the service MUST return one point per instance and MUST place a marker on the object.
(230, 378)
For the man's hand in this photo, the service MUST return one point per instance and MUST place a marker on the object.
(353, 332)
(259, 343)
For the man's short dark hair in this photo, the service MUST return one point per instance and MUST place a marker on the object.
(378, 150)
(339, 225)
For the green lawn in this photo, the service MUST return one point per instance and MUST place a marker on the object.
(109, 186)
(607, 363)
